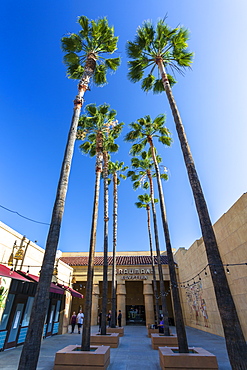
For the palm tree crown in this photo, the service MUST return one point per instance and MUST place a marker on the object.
(144, 201)
(152, 45)
(87, 50)
(98, 120)
(145, 129)
(117, 168)
(141, 169)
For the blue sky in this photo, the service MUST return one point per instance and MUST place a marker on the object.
(36, 102)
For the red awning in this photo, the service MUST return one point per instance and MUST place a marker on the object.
(53, 289)
(73, 292)
(56, 289)
(5, 271)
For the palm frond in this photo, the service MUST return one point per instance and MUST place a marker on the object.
(130, 173)
(171, 80)
(136, 149)
(85, 147)
(75, 71)
(133, 50)
(73, 43)
(148, 82)
(146, 185)
(132, 135)
(84, 23)
(91, 109)
(164, 176)
(158, 87)
(113, 63)
(165, 140)
(140, 205)
(136, 68)
(99, 76)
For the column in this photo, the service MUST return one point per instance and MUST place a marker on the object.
(149, 301)
(95, 304)
(121, 300)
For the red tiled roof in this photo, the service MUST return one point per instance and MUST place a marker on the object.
(120, 260)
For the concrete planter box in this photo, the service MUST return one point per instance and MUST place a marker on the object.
(161, 340)
(118, 330)
(111, 340)
(199, 360)
(152, 331)
(69, 358)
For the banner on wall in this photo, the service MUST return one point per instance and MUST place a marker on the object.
(4, 290)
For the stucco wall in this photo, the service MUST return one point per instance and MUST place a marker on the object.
(33, 257)
(199, 303)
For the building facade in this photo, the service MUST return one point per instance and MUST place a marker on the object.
(20, 263)
(135, 293)
(196, 288)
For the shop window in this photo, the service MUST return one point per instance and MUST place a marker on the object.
(27, 313)
(7, 311)
(57, 311)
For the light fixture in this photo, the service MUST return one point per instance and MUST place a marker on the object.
(19, 254)
(10, 261)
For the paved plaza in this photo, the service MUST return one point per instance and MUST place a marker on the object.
(134, 351)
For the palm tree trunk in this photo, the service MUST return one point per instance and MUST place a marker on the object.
(105, 267)
(153, 266)
(85, 346)
(162, 285)
(113, 296)
(180, 327)
(31, 348)
(235, 341)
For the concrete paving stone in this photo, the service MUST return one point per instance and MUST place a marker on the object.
(134, 352)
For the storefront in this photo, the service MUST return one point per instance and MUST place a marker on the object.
(17, 290)
(16, 300)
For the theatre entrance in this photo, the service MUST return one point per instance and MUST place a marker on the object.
(135, 308)
(135, 315)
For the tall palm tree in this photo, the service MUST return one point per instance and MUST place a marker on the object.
(165, 47)
(144, 201)
(98, 130)
(115, 170)
(145, 130)
(142, 170)
(110, 142)
(83, 51)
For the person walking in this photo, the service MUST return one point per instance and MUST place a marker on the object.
(73, 322)
(109, 318)
(119, 318)
(80, 318)
(100, 320)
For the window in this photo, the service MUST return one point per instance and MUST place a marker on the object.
(57, 311)
(7, 310)
(27, 313)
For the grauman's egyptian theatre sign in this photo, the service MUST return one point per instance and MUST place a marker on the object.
(134, 274)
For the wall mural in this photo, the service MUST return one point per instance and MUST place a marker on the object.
(197, 305)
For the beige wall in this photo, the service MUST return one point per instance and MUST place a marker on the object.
(33, 255)
(199, 303)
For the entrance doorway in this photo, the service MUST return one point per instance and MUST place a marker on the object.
(135, 315)
(15, 320)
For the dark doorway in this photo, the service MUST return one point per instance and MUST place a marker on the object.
(135, 315)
